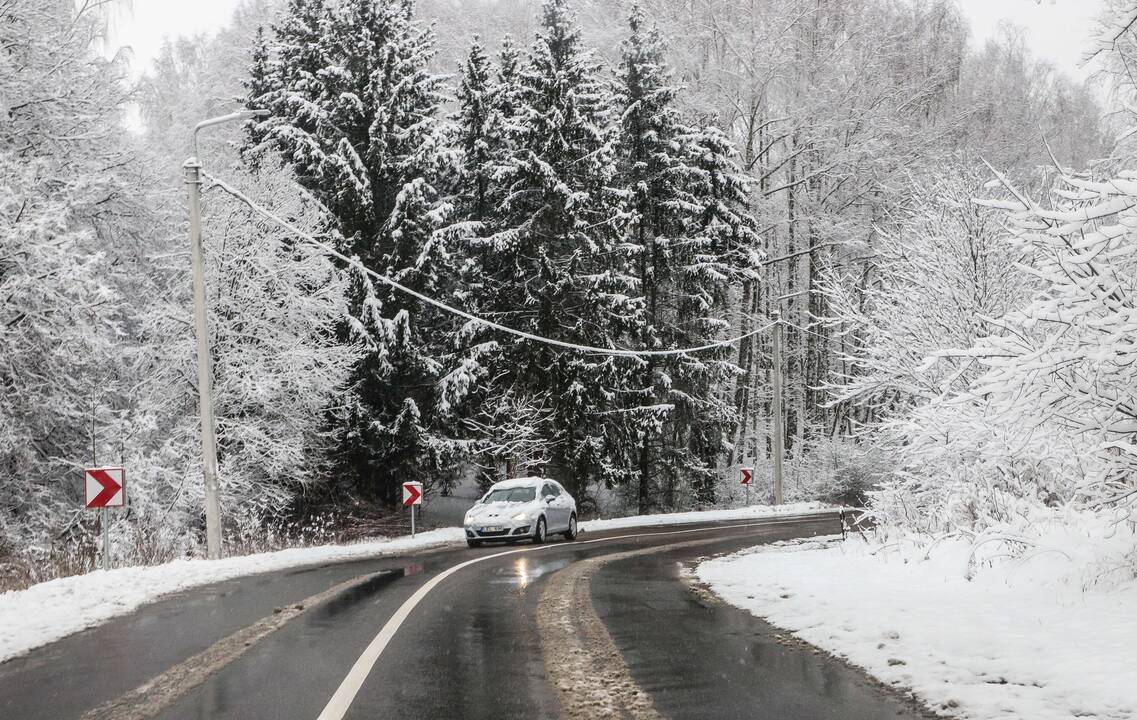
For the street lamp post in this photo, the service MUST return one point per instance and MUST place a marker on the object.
(192, 168)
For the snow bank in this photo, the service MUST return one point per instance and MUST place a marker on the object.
(54, 609)
(752, 512)
(51, 610)
(1026, 638)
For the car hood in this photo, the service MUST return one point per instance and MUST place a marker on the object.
(499, 511)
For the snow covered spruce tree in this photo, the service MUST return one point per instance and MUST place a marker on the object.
(354, 116)
(501, 420)
(257, 85)
(506, 91)
(477, 124)
(549, 258)
(683, 198)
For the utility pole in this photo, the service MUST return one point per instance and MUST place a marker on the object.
(776, 406)
(192, 169)
(204, 360)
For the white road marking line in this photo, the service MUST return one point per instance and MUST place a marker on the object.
(337, 707)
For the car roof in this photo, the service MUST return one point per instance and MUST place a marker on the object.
(521, 482)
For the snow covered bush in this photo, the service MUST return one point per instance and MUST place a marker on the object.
(1067, 359)
(1049, 415)
(960, 468)
(836, 471)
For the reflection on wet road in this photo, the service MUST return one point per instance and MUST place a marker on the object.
(526, 569)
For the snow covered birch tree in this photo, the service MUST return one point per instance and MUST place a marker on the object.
(281, 374)
(70, 218)
(941, 268)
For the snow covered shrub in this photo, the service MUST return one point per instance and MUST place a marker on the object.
(839, 471)
(1066, 360)
(146, 540)
(279, 533)
(959, 467)
(844, 472)
(1049, 416)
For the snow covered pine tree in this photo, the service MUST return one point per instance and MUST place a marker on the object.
(354, 114)
(548, 255)
(503, 419)
(685, 242)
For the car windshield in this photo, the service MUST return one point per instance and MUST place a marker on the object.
(514, 495)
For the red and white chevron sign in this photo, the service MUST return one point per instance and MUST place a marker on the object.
(106, 487)
(412, 493)
(745, 475)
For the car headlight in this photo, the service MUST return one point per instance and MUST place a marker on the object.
(520, 516)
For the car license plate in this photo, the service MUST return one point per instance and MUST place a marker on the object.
(492, 528)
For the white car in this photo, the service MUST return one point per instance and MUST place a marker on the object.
(529, 507)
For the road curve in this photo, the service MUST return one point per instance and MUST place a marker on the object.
(604, 627)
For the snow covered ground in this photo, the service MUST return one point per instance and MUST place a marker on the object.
(1027, 638)
(52, 610)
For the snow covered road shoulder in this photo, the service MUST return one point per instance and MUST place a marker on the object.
(1016, 641)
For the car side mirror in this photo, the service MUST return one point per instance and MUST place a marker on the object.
(548, 499)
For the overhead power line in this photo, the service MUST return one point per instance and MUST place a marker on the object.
(311, 240)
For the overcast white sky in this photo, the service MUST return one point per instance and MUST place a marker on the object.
(1056, 29)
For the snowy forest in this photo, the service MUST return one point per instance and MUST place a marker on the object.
(416, 257)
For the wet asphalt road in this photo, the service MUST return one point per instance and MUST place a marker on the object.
(471, 648)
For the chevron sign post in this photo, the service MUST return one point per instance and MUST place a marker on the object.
(745, 478)
(412, 495)
(105, 488)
